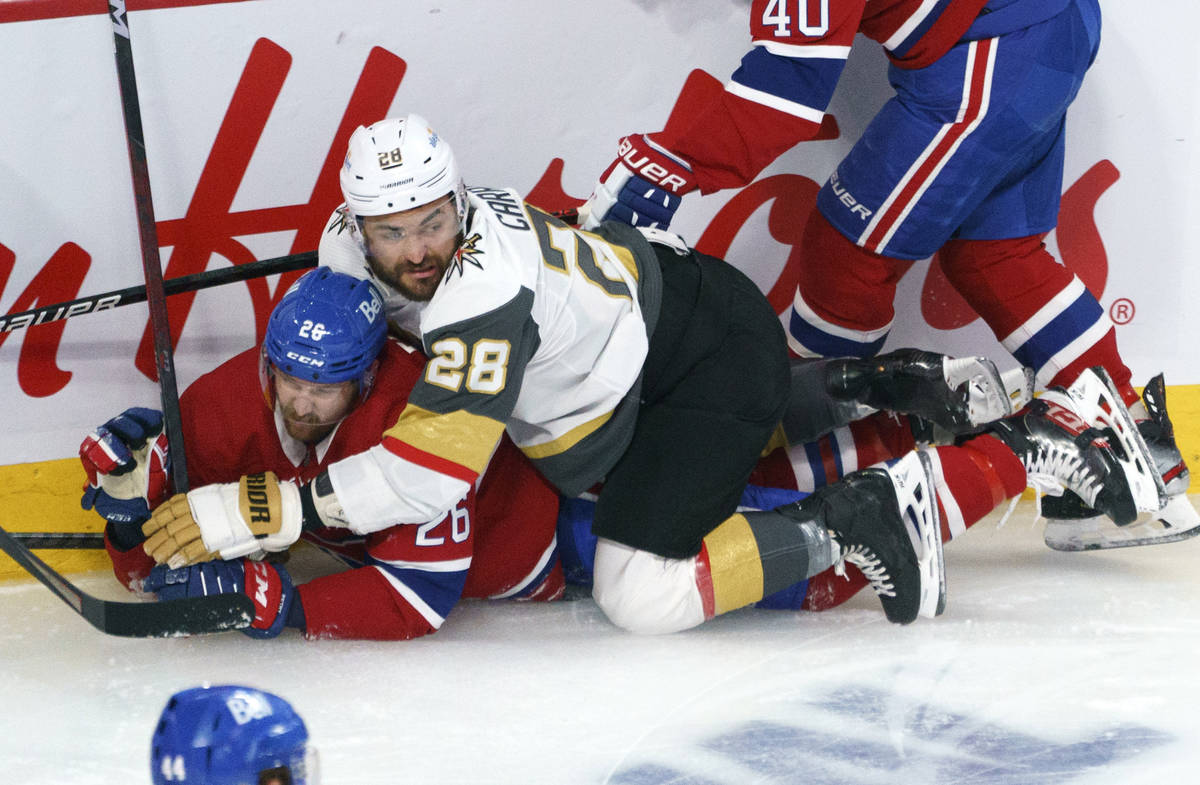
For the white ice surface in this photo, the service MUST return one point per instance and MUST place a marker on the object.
(1046, 668)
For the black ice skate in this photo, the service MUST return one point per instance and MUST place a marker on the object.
(957, 394)
(884, 520)
(1082, 440)
(1072, 525)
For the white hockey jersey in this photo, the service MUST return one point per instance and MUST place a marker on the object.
(536, 327)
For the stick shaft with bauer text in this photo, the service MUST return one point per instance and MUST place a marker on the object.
(135, 294)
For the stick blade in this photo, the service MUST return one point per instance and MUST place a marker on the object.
(172, 618)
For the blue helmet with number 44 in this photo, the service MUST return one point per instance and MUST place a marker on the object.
(328, 328)
(230, 735)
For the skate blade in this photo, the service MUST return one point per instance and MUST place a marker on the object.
(933, 582)
(1177, 520)
(1095, 399)
(916, 496)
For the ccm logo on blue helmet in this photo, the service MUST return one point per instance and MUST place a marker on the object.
(300, 358)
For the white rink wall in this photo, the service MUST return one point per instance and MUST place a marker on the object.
(246, 106)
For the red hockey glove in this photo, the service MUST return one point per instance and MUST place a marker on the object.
(126, 461)
(642, 187)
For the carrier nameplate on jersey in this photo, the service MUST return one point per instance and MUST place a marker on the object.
(509, 210)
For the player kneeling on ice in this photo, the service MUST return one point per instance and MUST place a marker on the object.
(332, 382)
(619, 355)
(231, 735)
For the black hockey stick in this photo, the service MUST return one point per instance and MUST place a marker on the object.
(59, 540)
(190, 616)
(136, 294)
(156, 297)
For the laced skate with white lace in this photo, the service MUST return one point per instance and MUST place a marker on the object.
(884, 520)
(1082, 440)
(1071, 525)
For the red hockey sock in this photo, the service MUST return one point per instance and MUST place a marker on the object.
(806, 467)
(1005, 281)
(1103, 352)
(843, 284)
(1008, 281)
(881, 437)
(973, 480)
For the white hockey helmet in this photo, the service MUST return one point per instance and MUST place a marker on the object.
(398, 164)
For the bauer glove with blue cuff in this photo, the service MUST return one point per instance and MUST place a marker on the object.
(642, 187)
(126, 461)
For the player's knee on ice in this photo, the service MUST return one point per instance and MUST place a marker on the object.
(645, 593)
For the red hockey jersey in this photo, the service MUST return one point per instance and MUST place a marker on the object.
(778, 97)
(498, 542)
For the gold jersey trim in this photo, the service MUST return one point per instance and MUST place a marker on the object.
(567, 440)
(459, 436)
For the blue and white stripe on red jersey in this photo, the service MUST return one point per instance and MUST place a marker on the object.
(1060, 332)
(902, 28)
(820, 32)
(431, 588)
(800, 84)
(779, 94)
(426, 564)
(801, 47)
(799, 52)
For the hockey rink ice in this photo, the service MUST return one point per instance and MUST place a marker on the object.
(1046, 668)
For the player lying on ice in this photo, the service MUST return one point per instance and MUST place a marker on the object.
(330, 390)
(332, 383)
(629, 357)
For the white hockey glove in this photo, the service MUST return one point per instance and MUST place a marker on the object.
(226, 521)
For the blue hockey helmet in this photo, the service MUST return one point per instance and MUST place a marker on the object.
(231, 735)
(328, 328)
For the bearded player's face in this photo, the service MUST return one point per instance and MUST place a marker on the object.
(311, 410)
(410, 250)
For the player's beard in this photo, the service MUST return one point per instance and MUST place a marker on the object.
(417, 282)
(307, 428)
